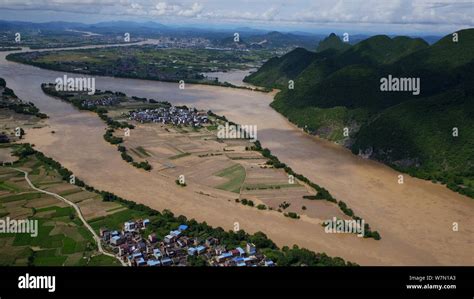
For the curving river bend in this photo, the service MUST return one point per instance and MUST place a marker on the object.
(415, 219)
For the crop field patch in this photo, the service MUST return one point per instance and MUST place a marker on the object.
(45, 201)
(5, 155)
(236, 177)
(94, 208)
(79, 196)
(115, 220)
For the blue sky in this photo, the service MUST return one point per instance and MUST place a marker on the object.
(354, 16)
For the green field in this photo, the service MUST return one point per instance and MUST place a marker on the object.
(116, 220)
(62, 238)
(23, 196)
(236, 177)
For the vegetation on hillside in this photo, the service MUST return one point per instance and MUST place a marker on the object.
(340, 90)
(332, 42)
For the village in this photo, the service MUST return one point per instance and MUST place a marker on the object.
(104, 101)
(176, 249)
(171, 115)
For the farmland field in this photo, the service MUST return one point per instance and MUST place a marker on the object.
(62, 238)
(235, 176)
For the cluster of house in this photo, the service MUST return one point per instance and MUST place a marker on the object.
(171, 115)
(176, 248)
(105, 101)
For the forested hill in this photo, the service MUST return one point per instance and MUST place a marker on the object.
(276, 72)
(332, 42)
(338, 88)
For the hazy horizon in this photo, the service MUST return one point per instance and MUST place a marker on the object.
(428, 17)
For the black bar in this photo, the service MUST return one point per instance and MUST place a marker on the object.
(191, 282)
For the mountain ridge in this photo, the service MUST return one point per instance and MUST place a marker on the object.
(341, 89)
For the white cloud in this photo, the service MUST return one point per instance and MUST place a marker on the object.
(307, 12)
(193, 11)
(270, 14)
(164, 9)
(388, 12)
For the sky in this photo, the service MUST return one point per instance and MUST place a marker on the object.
(354, 16)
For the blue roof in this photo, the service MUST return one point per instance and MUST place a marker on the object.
(153, 262)
(241, 264)
(268, 263)
(116, 238)
(140, 260)
(183, 227)
(175, 233)
(156, 250)
(200, 247)
(146, 220)
(137, 254)
(240, 250)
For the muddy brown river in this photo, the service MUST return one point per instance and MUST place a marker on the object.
(415, 219)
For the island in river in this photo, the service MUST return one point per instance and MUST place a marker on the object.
(415, 219)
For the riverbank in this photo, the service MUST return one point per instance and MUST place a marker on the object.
(415, 219)
(173, 70)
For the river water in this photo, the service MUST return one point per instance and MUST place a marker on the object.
(415, 219)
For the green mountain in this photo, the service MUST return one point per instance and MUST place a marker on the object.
(277, 71)
(417, 137)
(413, 133)
(381, 49)
(332, 42)
(269, 40)
(443, 54)
(328, 81)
